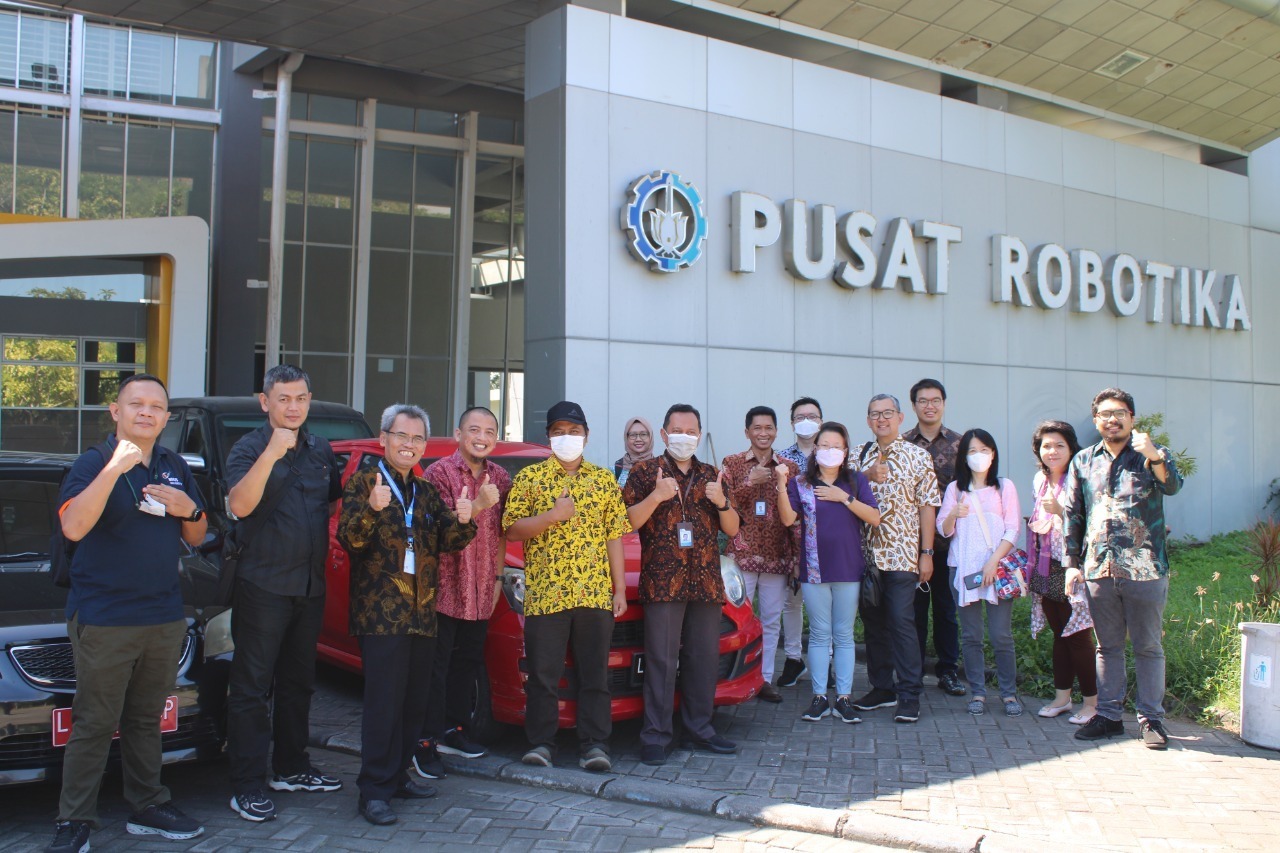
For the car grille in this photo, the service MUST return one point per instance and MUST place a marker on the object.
(33, 750)
(630, 634)
(52, 666)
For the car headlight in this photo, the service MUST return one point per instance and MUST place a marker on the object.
(217, 635)
(735, 588)
(513, 588)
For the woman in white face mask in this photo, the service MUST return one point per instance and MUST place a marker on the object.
(974, 554)
(832, 502)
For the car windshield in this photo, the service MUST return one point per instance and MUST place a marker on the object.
(231, 428)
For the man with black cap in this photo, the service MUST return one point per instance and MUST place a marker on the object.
(569, 514)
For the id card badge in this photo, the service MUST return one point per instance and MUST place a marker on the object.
(762, 509)
(410, 566)
(684, 534)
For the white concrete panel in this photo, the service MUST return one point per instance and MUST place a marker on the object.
(592, 232)
(1089, 222)
(1264, 177)
(1263, 294)
(1092, 338)
(842, 385)
(896, 376)
(1228, 196)
(587, 48)
(972, 135)
(544, 54)
(1189, 422)
(1082, 387)
(1231, 353)
(906, 120)
(977, 397)
(974, 328)
(1035, 395)
(1150, 393)
(649, 378)
(1088, 163)
(1266, 451)
(905, 185)
(749, 84)
(640, 301)
(1139, 174)
(1226, 461)
(636, 49)
(1186, 186)
(1033, 149)
(738, 379)
(587, 384)
(1187, 244)
(1140, 232)
(1034, 211)
(830, 102)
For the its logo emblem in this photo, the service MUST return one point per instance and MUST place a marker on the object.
(665, 221)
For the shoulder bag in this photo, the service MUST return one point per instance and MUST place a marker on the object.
(1011, 571)
(870, 592)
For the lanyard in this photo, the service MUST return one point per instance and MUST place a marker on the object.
(413, 499)
(687, 486)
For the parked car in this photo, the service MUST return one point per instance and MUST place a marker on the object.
(37, 665)
(500, 699)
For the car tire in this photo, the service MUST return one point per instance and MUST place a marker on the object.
(484, 728)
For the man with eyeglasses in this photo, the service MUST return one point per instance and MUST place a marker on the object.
(929, 399)
(906, 489)
(763, 547)
(1115, 536)
(283, 484)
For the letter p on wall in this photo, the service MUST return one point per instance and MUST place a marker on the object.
(754, 222)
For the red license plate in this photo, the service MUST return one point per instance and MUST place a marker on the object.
(62, 721)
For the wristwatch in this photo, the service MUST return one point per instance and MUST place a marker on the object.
(928, 551)
(195, 516)
(850, 500)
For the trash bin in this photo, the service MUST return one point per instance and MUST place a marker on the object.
(1259, 690)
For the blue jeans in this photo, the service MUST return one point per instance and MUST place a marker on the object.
(832, 608)
(999, 630)
(1121, 606)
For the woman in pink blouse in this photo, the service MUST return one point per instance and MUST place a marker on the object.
(981, 516)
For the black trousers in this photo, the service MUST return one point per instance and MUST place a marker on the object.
(272, 678)
(685, 633)
(397, 684)
(890, 633)
(546, 638)
(946, 626)
(459, 661)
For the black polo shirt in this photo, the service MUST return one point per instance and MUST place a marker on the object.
(287, 553)
(124, 572)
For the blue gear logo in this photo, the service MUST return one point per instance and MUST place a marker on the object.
(665, 221)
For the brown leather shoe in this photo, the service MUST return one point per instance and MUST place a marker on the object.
(769, 693)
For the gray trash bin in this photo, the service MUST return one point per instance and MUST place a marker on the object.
(1259, 687)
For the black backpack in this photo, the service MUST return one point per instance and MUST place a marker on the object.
(60, 547)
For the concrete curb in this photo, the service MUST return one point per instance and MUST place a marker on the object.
(849, 824)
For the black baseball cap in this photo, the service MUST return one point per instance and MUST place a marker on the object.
(566, 411)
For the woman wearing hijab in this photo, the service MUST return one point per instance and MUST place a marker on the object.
(637, 440)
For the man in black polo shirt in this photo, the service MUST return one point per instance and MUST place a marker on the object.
(279, 593)
(124, 613)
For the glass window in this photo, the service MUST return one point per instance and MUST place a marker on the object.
(43, 430)
(334, 110)
(496, 129)
(384, 383)
(146, 184)
(437, 122)
(101, 387)
(330, 376)
(38, 182)
(27, 512)
(151, 67)
(42, 54)
(102, 168)
(193, 442)
(40, 349)
(431, 306)
(192, 189)
(106, 60)
(197, 66)
(6, 160)
(434, 183)
(38, 386)
(393, 117)
(8, 48)
(115, 352)
(326, 305)
(388, 302)
(331, 188)
(392, 189)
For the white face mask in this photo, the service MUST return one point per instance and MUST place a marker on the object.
(681, 446)
(829, 457)
(979, 462)
(567, 447)
(805, 429)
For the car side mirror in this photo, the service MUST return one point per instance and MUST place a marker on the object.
(195, 462)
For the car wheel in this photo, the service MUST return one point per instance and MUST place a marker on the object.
(484, 728)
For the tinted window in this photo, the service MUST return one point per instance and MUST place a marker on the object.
(27, 512)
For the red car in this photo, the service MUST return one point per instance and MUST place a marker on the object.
(501, 700)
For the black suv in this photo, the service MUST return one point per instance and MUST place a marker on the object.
(37, 667)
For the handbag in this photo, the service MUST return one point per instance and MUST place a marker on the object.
(237, 538)
(872, 588)
(1011, 571)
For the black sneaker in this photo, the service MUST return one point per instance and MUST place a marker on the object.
(792, 671)
(311, 780)
(949, 683)
(876, 698)
(1154, 735)
(908, 710)
(454, 742)
(165, 820)
(845, 710)
(818, 709)
(253, 806)
(1098, 728)
(426, 761)
(70, 836)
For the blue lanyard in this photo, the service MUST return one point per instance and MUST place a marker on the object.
(413, 499)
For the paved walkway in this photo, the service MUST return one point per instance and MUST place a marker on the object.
(1027, 777)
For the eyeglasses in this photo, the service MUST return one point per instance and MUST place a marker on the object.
(933, 402)
(1112, 415)
(882, 416)
(405, 438)
(798, 418)
(637, 435)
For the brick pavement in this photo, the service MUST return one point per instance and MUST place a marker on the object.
(1026, 776)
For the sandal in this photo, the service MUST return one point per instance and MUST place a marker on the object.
(1012, 708)
(977, 707)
